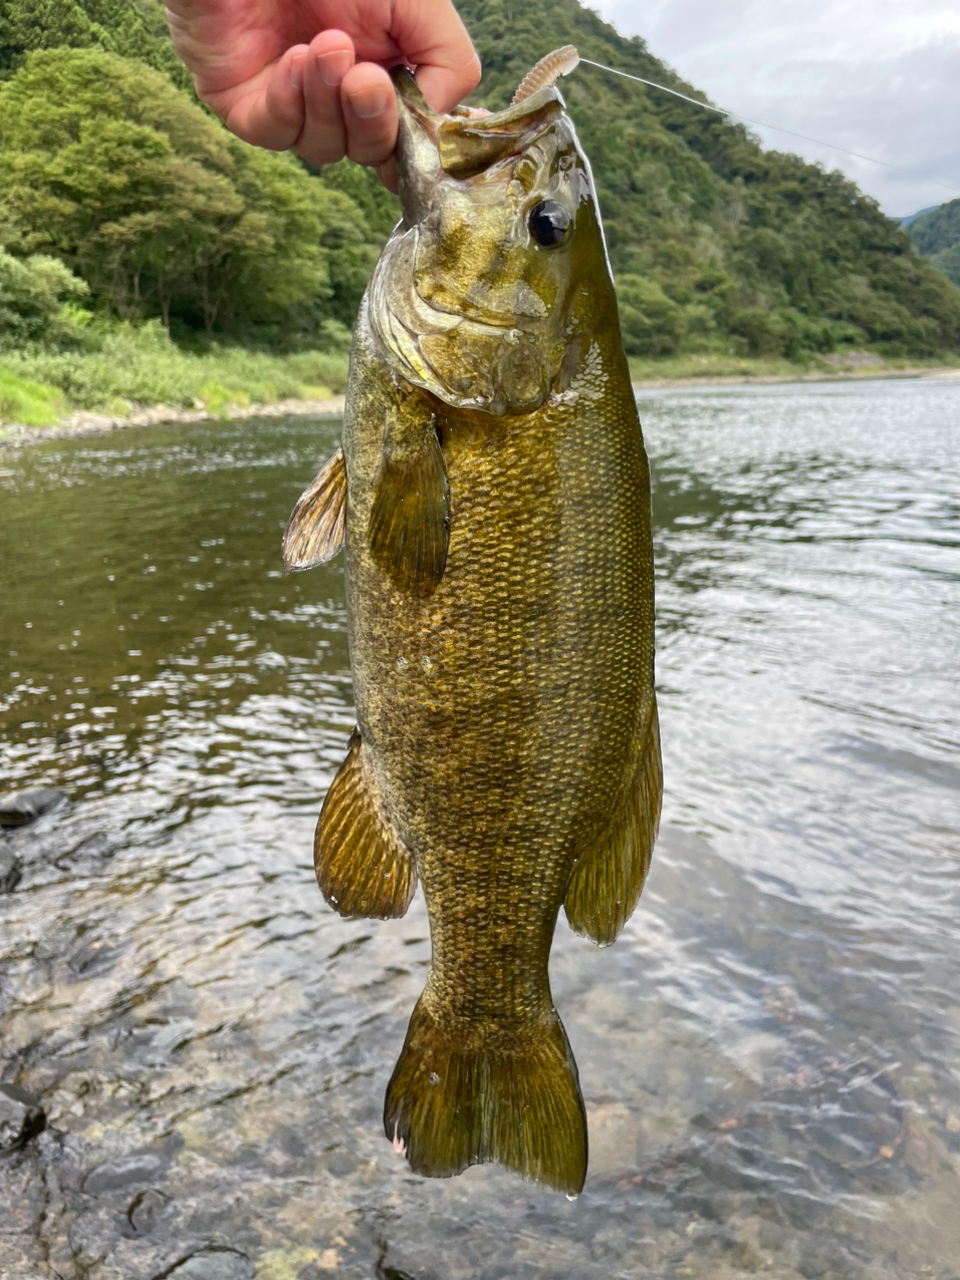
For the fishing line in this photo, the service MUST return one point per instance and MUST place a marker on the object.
(707, 106)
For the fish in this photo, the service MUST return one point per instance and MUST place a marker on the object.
(492, 496)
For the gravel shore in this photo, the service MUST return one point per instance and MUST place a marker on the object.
(93, 424)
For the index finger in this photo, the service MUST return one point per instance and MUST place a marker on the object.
(434, 40)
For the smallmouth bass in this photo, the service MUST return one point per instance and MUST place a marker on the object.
(493, 498)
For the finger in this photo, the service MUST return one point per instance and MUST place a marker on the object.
(267, 109)
(370, 113)
(324, 136)
(280, 121)
(435, 41)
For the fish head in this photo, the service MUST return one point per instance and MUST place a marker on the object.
(497, 275)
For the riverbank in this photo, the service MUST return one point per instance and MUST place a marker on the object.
(751, 379)
(138, 376)
(85, 423)
(833, 366)
(89, 423)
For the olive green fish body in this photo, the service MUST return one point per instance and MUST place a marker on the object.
(500, 613)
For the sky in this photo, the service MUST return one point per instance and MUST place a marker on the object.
(881, 77)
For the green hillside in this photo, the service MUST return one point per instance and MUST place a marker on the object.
(936, 235)
(112, 170)
(714, 240)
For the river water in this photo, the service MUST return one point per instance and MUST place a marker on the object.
(769, 1053)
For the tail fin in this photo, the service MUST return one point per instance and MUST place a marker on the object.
(517, 1103)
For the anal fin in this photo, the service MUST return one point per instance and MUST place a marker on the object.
(363, 867)
(314, 532)
(608, 877)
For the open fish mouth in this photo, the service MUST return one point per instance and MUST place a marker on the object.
(468, 142)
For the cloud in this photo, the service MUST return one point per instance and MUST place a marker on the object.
(872, 76)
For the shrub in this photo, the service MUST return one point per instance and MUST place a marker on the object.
(144, 366)
(34, 301)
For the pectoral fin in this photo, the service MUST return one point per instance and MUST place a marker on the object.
(363, 868)
(314, 532)
(410, 518)
(607, 880)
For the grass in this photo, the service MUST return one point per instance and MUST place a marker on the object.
(144, 367)
(35, 404)
(717, 365)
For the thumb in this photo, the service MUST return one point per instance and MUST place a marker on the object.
(434, 40)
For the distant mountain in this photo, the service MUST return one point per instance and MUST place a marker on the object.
(905, 222)
(936, 229)
(936, 234)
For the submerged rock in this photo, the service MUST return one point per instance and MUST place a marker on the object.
(21, 1117)
(146, 1209)
(20, 807)
(126, 1171)
(213, 1264)
(9, 871)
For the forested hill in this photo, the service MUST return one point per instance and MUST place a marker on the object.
(936, 234)
(709, 234)
(717, 244)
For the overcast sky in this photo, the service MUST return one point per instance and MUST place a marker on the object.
(881, 77)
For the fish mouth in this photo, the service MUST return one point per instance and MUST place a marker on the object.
(465, 142)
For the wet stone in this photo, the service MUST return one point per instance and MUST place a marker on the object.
(9, 871)
(212, 1264)
(125, 1171)
(290, 1142)
(97, 847)
(341, 1163)
(20, 807)
(827, 1258)
(21, 1117)
(145, 1209)
(93, 956)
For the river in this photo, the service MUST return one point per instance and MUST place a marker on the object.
(769, 1053)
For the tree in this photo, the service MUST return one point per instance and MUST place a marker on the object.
(117, 26)
(105, 164)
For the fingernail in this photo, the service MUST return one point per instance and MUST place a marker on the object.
(333, 66)
(368, 103)
(295, 74)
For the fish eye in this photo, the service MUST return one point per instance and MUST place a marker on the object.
(548, 222)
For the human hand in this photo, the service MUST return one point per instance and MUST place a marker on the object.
(311, 74)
